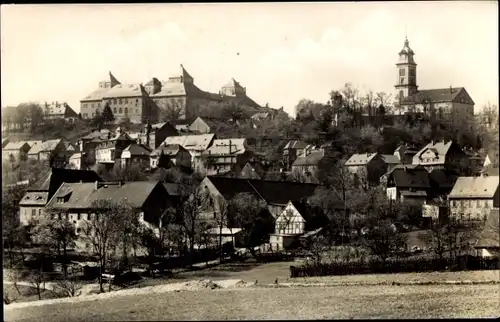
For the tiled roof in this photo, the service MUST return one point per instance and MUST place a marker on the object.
(81, 195)
(124, 90)
(440, 149)
(222, 146)
(442, 178)
(314, 158)
(475, 187)
(191, 142)
(96, 95)
(55, 177)
(435, 95)
(77, 155)
(169, 150)
(490, 235)
(14, 145)
(34, 199)
(294, 144)
(360, 159)
(137, 150)
(213, 122)
(410, 178)
(390, 159)
(46, 146)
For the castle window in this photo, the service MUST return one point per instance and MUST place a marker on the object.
(114, 101)
(120, 101)
(92, 105)
(121, 110)
(126, 110)
(114, 109)
(402, 72)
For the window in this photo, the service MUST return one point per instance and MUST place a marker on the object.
(85, 115)
(486, 205)
(477, 204)
(126, 110)
(120, 101)
(92, 105)
(39, 212)
(136, 100)
(78, 216)
(88, 216)
(59, 216)
(33, 212)
(402, 72)
(114, 109)
(114, 101)
(121, 110)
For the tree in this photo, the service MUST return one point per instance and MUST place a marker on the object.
(107, 114)
(58, 235)
(13, 234)
(250, 214)
(36, 278)
(235, 112)
(98, 121)
(384, 240)
(135, 171)
(172, 112)
(69, 286)
(104, 230)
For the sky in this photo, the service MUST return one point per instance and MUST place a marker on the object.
(281, 52)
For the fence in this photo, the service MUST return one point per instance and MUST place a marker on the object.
(402, 265)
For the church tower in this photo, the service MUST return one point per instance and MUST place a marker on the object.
(407, 72)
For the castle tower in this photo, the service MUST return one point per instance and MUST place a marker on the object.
(109, 84)
(407, 72)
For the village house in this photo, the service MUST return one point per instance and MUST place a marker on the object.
(226, 155)
(174, 153)
(390, 160)
(135, 153)
(77, 161)
(440, 101)
(276, 194)
(311, 162)
(253, 169)
(58, 110)
(88, 143)
(15, 151)
(488, 244)
(207, 125)
(154, 136)
(441, 154)
(408, 183)
(16, 118)
(39, 193)
(295, 220)
(233, 236)
(195, 144)
(472, 198)
(74, 202)
(366, 168)
(405, 153)
(107, 151)
(291, 151)
(50, 150)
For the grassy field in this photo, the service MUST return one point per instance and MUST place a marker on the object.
(451, 301)
(28, 294)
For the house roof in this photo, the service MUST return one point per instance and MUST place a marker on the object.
(57, 108)
(191, 142)
(46, 146)
(55, 177)
(173, 189)
(435, 95)
(295, 144)
(242, 100)
(33, 142)
(77, 155)
(390, 159)
(360, 159)
(169, 150)
(81, 195)
(405, 177)
(475, 187)
(442, 178)
(304, 209)
(96, 95)
(313, 158)
(223, 146)
(420, 193)
(14, 145)
(124, 90)
(34, 199)
(490, 235)
(96, 135)
(223, 231)
(137, 150)
(439, 148)
(212, 122)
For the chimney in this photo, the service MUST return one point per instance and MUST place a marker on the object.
(451, 89)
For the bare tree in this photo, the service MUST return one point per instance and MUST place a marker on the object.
(384, 240)
(36, 279)
(173, 111)
(104, 230)
(69, 286)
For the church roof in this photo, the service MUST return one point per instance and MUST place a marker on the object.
(435, 95)
(406, 48)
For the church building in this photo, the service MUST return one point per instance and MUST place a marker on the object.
(440, 101)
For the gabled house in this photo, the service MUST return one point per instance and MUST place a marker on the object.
(40, 192)
(311, 162)
(408, 183)
(441, 154)
(174, 153)
(77, 161)
(366, 168)
(49, 150)
(489, 242)
(153, 135)
(405, 153)
(75, 201)
(276, 194)
(473, 197)
(226, 155)
(291, 151)
(295, 219)
(109, 150)
(207, 125)
(58, 110)
(253, 169)
(15, 151)
(195, 144)
(135, 153)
